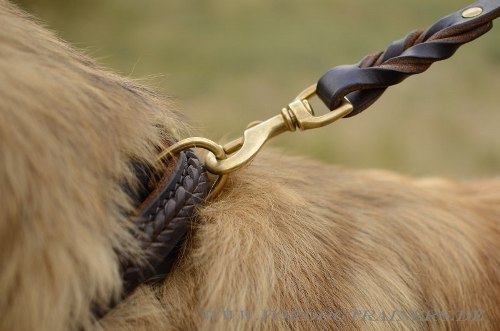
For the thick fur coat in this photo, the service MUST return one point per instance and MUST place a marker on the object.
(289, 244)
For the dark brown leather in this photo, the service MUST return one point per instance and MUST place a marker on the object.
(164, 218)
(166, 207)
(365, 82)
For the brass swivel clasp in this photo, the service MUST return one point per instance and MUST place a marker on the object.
(222, 160)
(298, 115)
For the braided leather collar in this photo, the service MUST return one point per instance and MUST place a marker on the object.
(165, 211)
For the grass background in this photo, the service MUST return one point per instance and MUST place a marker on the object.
(227, 63)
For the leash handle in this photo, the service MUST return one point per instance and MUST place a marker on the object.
(363, 83)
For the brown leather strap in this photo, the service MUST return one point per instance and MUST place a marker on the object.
(166, 206)
(365, 82)
(164, 217)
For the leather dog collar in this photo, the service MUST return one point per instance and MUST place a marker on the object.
(166, 205)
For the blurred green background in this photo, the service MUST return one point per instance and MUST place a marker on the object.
(227, 63)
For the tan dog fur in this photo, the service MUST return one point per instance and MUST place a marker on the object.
(286, 234)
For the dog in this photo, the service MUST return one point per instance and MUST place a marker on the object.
(290, 243)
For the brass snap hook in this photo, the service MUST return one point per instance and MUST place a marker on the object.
(222, 160)
(299, 114)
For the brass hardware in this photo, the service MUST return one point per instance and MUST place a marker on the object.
(298, 114)
(307, 93)
(199, 142)
(310, 121)
(472, 12)
(222, 160)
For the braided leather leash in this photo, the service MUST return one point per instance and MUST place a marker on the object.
(349, 89)
(365, 82)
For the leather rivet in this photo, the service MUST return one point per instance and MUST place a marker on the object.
(472, 12)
